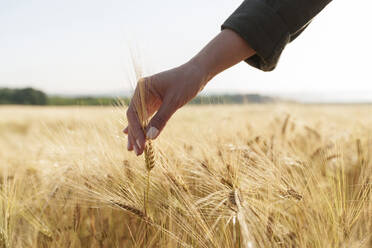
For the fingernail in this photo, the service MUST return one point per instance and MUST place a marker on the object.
(138, 143)
(135, 150)
(152, 133)
(128, 145)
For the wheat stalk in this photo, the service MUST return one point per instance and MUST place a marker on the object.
(241, 215)
(149, 153)
(149, 149)
(132, 210)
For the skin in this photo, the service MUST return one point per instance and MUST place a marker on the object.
(170, 90)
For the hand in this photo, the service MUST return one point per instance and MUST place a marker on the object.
(165, 93)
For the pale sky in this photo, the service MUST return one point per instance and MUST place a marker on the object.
(81, 47)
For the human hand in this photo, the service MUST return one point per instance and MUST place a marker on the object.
(165, 93)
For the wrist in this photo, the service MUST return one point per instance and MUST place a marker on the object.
(199, 70)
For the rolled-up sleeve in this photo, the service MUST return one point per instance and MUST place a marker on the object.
(269, 25)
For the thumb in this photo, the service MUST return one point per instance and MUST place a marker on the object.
(159, 120)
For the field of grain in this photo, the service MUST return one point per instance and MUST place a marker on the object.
(224, 176)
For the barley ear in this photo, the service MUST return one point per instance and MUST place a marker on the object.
(149, 155)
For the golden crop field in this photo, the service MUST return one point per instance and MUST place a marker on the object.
(224, 176)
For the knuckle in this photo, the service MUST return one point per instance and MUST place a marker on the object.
(158, 121)
(137, 133)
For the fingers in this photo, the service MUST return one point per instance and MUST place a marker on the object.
(130, 146)
(136, 136)
(159, 120)
(130, 140)
(125, 130)
(154, 102)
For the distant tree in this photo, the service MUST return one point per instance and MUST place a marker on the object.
(23, 96)
(5, 96)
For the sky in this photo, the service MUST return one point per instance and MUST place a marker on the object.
(81, 47)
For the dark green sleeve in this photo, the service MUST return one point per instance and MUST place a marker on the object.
(269, 25)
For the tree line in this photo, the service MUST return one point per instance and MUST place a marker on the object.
(30, 96)
(25, 96)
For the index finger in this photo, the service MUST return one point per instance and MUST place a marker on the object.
(135, 129)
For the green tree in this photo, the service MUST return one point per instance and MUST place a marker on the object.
(23, 96)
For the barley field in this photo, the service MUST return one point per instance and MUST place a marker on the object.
(224, 176)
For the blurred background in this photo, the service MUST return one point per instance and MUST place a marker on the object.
(80, 49)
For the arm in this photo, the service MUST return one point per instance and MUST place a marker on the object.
(170, 90)
(224, 51)
(256, 32)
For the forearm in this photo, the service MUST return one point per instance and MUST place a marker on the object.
(224, 51)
